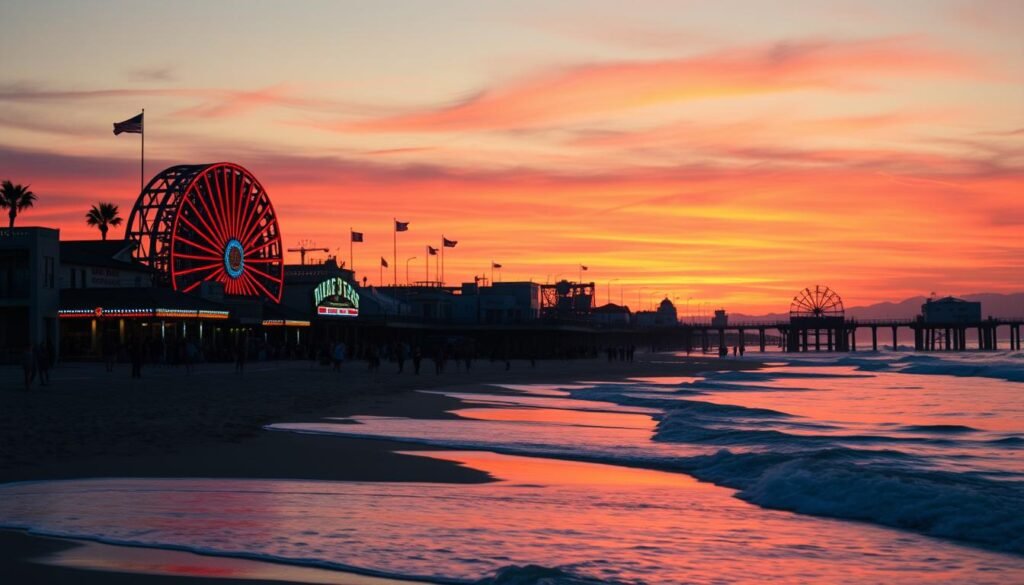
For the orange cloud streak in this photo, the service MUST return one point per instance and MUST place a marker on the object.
(593, 89)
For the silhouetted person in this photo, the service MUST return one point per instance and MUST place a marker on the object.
(240, 352)
(401, 353)
(135, 351)
(43, 364)
(109, 352)
(191, 355)
(417, 358)
(28, 365)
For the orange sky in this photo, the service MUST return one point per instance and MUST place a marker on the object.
(728, 156)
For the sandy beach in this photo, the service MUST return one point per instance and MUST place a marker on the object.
(89, 423)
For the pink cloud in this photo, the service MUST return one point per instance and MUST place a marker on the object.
(600, 88)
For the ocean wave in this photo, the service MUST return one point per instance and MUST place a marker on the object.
(815, 474)
(947, 505)
(952, 429)
(538, 575)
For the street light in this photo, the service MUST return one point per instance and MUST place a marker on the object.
(407, 269)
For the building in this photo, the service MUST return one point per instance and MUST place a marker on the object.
(950, 310)
(721, 319)
(611, 315)
(29, 293)
(665, 316)
(101, 264)
(501, 303)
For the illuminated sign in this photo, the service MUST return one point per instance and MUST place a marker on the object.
(335, 297)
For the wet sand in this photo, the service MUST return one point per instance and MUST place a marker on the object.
(89, 423)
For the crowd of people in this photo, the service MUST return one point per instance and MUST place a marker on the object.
(441, 353)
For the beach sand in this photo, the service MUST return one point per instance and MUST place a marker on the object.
(89, 423)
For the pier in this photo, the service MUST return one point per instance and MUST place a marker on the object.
(842, 335)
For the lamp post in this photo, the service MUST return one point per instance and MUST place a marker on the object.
(407, 269)
(688, 316)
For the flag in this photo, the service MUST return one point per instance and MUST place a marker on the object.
(495, 265)
(449, 243)
(131, 126)
(383, 262)
(582, 267)
(401, 226)
(357, 236)
(432, 251)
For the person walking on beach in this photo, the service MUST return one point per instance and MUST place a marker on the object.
(135, 355)
(240, 350)
(43, 364)
(401, 352)
(109, 352)
(28, 365)
(191, 353)
(338, 355)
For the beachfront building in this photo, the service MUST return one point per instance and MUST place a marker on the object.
(665, 316)
(29, 294)
(950, 310)
(721, 319)
(611, 316)
(499, 303)
(109, 300)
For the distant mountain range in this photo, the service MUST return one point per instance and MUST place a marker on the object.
(992, 304)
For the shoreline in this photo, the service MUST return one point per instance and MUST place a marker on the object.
(232, 443)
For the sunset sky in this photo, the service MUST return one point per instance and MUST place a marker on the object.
(730, 153)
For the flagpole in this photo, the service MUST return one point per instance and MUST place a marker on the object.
(442, 259)
(142, 160)
(351, 259)
(426, 269)
(394, 226)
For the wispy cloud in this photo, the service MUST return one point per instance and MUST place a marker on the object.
(584, 90)
(213, 102)
(163, 73)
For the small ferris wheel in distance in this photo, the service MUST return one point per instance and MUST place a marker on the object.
(816, 303)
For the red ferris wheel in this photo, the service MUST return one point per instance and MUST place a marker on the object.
(211, 222)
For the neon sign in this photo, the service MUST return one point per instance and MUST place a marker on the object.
(335, 297)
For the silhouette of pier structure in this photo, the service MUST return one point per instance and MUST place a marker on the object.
(818, 323)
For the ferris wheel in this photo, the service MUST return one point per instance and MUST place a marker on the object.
(210, 222)
(819, 302)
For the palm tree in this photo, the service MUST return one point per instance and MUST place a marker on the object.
(103, 215)
(15, 198)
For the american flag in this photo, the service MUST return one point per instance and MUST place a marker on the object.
(357, 236)
(495, 265)
(131, 126)
(383, 262)
(449, 243)
(401, 226)
(432, 250)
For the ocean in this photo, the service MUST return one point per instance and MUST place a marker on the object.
(871, 468)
